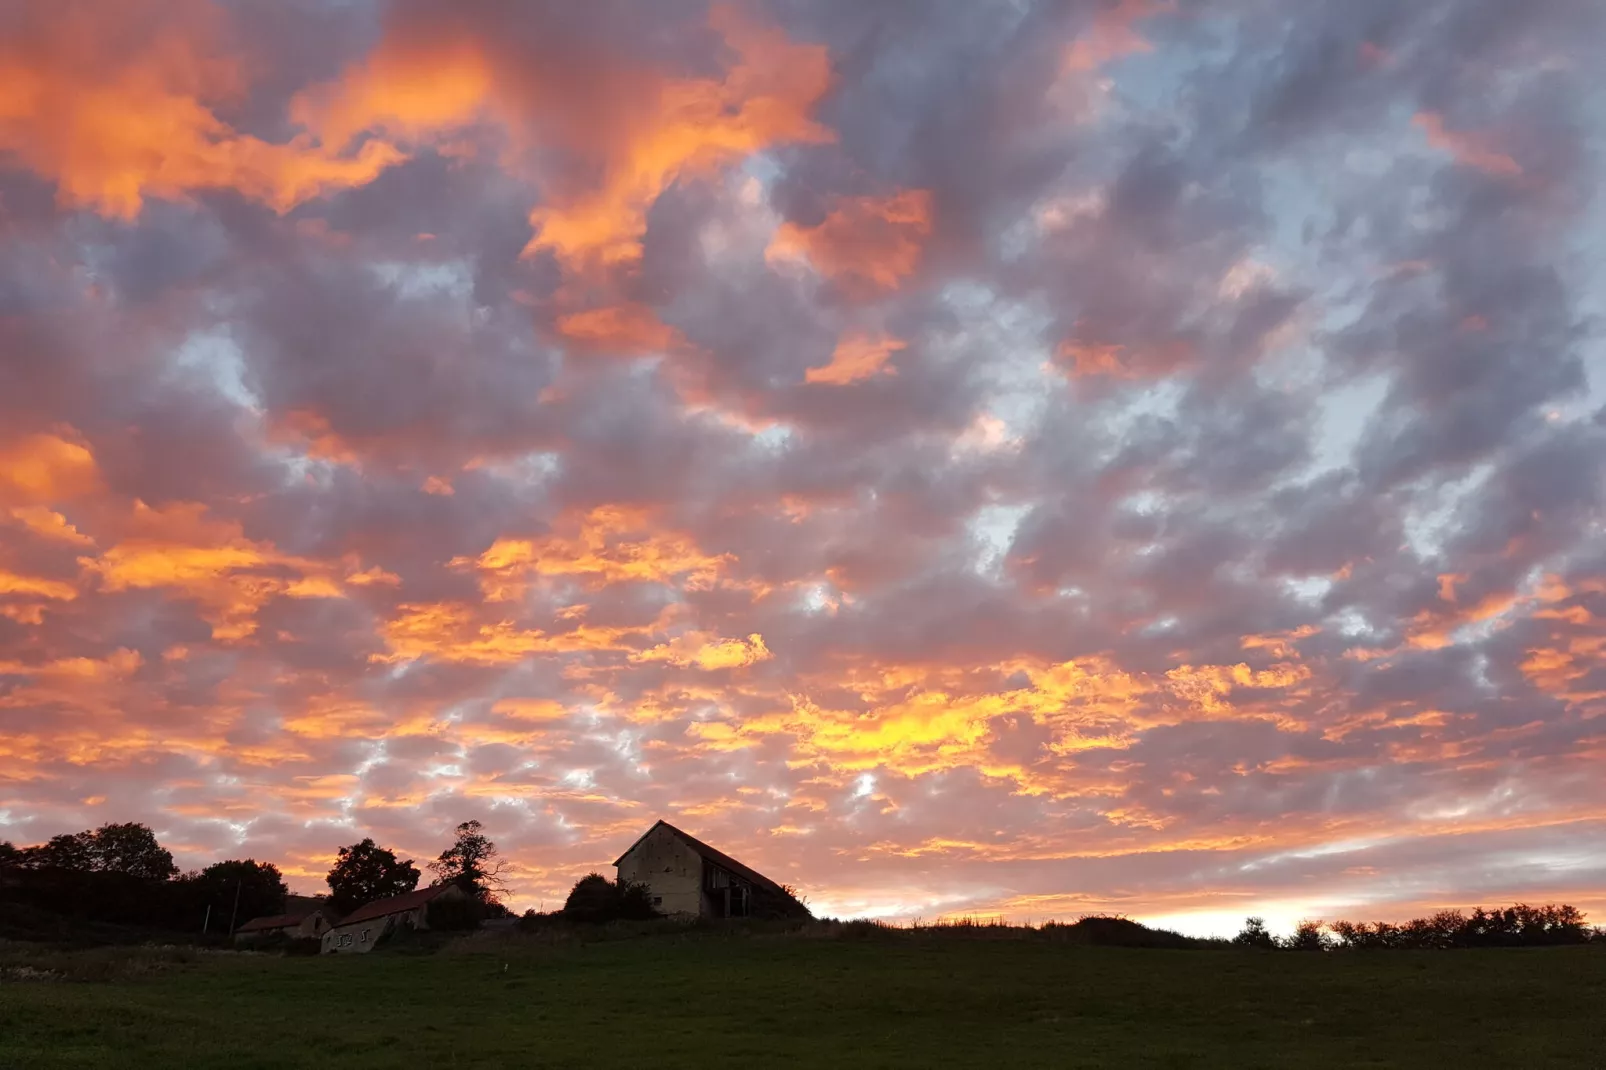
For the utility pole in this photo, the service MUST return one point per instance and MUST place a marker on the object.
(236, 911)
(206, 923)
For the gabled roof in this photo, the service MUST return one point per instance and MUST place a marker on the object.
(279, 921)
(396, 904)
(709, 854)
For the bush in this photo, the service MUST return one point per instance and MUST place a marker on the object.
(1116, 930)
(1255, 935)
(1515, 926)
(1308, 936)
(594, 899)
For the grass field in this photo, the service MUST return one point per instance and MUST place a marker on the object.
(707, 1001)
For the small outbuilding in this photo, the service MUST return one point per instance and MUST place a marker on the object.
(688, 878)
(300, 924)
(368, 924)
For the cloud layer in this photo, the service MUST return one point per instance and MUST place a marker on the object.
(974, 456)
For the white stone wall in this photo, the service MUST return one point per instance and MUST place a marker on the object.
(357, 938)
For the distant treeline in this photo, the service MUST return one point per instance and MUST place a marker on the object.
(1519, 925)
(86, 885)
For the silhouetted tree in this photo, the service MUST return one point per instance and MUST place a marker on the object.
(72, 851)
(132, 848)
(129, 848)
(1255, 935)
(1308, 936)
(594, 898)
(260, 888)
(364, 872)
(473, 863)
(10, 854)
(1515, 926)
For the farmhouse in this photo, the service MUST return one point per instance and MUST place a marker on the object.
(363, 929)
(688, 878)
(297, 924)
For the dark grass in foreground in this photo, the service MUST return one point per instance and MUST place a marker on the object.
(915, 1000)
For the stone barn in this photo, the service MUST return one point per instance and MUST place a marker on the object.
(363, 929)
(688, 878)
(307, 922)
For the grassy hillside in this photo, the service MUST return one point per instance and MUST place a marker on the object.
(703, 1001)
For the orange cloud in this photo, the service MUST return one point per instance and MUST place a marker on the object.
(609, 544)
(43, 469)
(448, 631)
(119, 664)
(708, 654)
(869, 243)
(408, 90)
(115, 113)
(628, 328)
(370, 576)
(690, 127)
(211, 561)
(858, 355)
(1091, 358)
(311, 433)
(49, 524)
(1473, 150)
(1080, 358)
(13, 584)
(528, 709)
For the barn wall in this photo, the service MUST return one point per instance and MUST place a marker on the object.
(673, 871)
(357, 938)
(363, 935)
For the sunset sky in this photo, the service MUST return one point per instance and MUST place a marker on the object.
(957, 456)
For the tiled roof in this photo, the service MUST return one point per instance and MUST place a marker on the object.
(710, 854)
(396, 904)
(276, 921)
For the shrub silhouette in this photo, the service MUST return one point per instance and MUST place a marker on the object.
(1520, 925)
(1308, 936)
(594, 898)
(1255, 935)
(1116, 930)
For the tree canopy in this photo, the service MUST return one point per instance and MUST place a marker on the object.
(473, 863)
(260, 886)
(129, 848)
(132, 848)
(364, 872)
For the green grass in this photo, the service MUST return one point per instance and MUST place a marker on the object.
(910, 1001)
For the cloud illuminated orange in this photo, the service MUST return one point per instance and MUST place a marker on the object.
(45, 469)
(868, 243)
(690, 128)
(114, 125)
(857, 356)
(609, 544)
